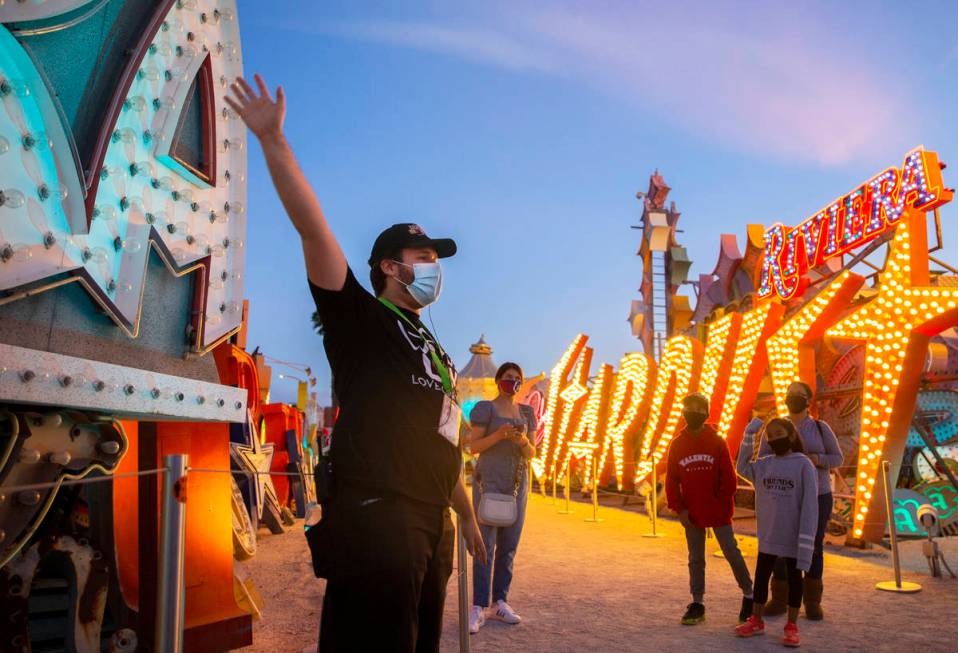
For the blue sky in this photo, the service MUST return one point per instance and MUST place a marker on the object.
(524, 129)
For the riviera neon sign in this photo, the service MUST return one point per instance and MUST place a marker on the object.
(849, 222)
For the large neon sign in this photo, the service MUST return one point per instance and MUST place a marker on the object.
(849, 222)
(895, 324)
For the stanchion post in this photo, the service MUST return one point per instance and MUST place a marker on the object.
(462, 565)
(595, 493)
(568, 489)
(897, 585)
(170, 602)
(654, 505)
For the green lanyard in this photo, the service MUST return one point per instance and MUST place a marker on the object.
(440, 366)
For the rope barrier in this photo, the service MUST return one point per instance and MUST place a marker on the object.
(80, 481)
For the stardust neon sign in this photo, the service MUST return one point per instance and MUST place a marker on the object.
(849, 222)
(740, 349)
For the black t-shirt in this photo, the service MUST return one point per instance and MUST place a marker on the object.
(391, 397)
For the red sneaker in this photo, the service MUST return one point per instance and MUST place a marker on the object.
(754, 626)
(791, 635)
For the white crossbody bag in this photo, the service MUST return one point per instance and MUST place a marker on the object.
(497, 509)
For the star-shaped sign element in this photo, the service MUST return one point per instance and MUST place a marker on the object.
(254, 459)
(896, 325)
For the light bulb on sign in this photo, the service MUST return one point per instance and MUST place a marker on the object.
(141, 168)
(162, 183)
(135, 103)
(163, 49)
(125, 135)
(17, 87)
(11, 198)
(104, 212)
(186, 52)
(45, 193)
(38, 141)
(165, 102)
(132, 245)
(108, 171)
(150, 73)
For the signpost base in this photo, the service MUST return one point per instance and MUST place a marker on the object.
(892, 586)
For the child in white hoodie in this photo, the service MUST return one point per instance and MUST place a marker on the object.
(786, 508)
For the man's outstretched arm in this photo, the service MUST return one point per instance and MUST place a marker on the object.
(325, 262)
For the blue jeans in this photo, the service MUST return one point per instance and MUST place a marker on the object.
(818, 556)
(501, 544)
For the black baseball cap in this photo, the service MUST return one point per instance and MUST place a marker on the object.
(405, 235)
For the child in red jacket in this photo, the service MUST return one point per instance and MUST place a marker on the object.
(700, 485)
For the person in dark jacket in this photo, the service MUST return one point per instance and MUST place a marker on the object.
(700, 486)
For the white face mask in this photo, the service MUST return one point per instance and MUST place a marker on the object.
(426, 284)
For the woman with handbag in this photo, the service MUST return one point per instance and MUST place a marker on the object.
(501, 436)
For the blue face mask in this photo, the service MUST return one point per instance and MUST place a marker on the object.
(426, 284)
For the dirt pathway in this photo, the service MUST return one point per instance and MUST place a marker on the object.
(602, 587)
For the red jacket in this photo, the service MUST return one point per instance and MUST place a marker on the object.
(701, 478)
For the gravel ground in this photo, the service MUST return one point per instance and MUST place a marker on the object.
(602, 587)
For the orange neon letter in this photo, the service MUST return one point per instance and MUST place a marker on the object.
(631, 392)
(566, 397)
(678, 376)
(748, 367)
(896, 326)
(791, 353)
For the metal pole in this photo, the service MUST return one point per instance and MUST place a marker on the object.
(553, 486)
(929, 440)
(568, 489)
(462, 562)
(170, 602)
(897, 586)
(654, 506)
(595, 493)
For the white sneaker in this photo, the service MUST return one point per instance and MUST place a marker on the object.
(506, 614)
(477, 617)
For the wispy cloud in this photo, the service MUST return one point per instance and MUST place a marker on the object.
(479, 45)
(782, 86)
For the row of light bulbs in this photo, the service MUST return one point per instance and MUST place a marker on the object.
(557, 378)
(680, 361)
(630, 398)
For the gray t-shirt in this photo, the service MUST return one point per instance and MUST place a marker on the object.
(497, 465)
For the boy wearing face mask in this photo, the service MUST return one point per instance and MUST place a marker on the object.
(821, 447)
(786, 511)
(385, 541)
(700, 487)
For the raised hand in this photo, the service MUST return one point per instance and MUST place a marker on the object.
(259, 111)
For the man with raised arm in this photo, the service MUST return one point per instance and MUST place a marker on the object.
(385, 542)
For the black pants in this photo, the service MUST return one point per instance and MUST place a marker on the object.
(825, 503)
(392, 558)
(763, 571)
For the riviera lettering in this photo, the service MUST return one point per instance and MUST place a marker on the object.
(849, 222)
